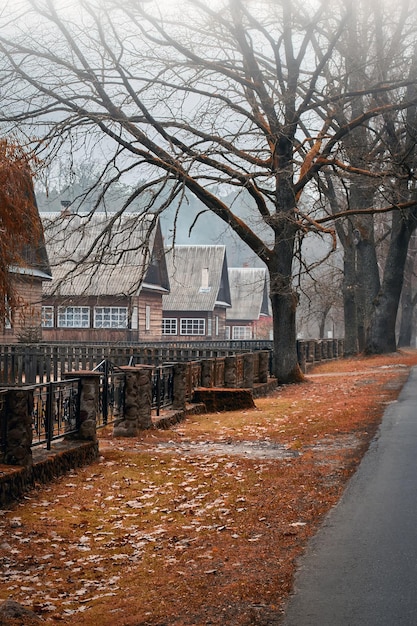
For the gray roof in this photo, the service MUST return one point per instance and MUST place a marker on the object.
(249, 293)
(100, 254)
(198, 278)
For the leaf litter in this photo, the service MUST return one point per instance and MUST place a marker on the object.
(201, 524)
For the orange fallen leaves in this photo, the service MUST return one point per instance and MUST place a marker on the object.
(201, 524)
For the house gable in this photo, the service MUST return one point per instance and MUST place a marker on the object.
(104, 255)
(109, 274)
(198, 279)
(249, 293)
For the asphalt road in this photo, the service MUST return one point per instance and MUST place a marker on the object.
(361, 567)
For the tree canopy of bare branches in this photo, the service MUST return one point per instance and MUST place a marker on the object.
(253, 96)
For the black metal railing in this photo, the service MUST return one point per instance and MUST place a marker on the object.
(3, 424)
(55, 410)
(162, 387)
(111, 394)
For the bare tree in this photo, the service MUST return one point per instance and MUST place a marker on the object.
(320, 302)
(381, 154)
(235, 97)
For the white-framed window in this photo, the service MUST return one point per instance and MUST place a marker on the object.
(217, 325)
(169, 326)
(209, 326)
(134, 322)
(147, 317)
(47, 318)
(242, 332)
(73, 317)
(110, 317)
(227, 332)
(193, 326)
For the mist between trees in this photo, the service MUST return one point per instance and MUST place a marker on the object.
(293, 122)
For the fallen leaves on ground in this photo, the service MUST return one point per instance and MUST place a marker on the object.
(201, 524)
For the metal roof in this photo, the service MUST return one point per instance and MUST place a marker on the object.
(98, 254)
(198, 278)
(248, 289)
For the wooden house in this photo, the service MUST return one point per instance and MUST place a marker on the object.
(109, 275)
(195, 308)
(22, 323)
(249, 316)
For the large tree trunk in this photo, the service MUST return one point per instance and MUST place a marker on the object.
(367, 271)
(407, 301)
(406, 323)
(349, 301)
(381, 336)
(286, 366)
(284, 305)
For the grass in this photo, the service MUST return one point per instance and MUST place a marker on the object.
(203, 523)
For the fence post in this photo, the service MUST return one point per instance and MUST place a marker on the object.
(302, 354)
(263, 366)
(230, 371)
(180, 386)
(18, 429)
(248, 370)
(89, 403)
(207, 373)
(138, 402)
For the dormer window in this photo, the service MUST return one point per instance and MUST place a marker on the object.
(205, 288)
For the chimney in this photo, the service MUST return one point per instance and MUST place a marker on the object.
(65, 211)
(205, 278)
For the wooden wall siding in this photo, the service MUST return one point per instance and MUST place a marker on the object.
(90, 335)
(178, 315)
(154, 301)
(108, 335)
(221, 313)
(26, 319)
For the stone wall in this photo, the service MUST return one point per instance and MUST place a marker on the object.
(15, 480)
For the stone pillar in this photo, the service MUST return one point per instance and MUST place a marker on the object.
(263, 366)
(248, 370)
(230, 374)
(18, 428)
(138, 402)
(144, 396)
(89, 403)
(311, 351)
(180, 386)
(207, 373)
(330, 354)
(302, 354)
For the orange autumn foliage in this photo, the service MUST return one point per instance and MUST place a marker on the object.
(19, 221)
